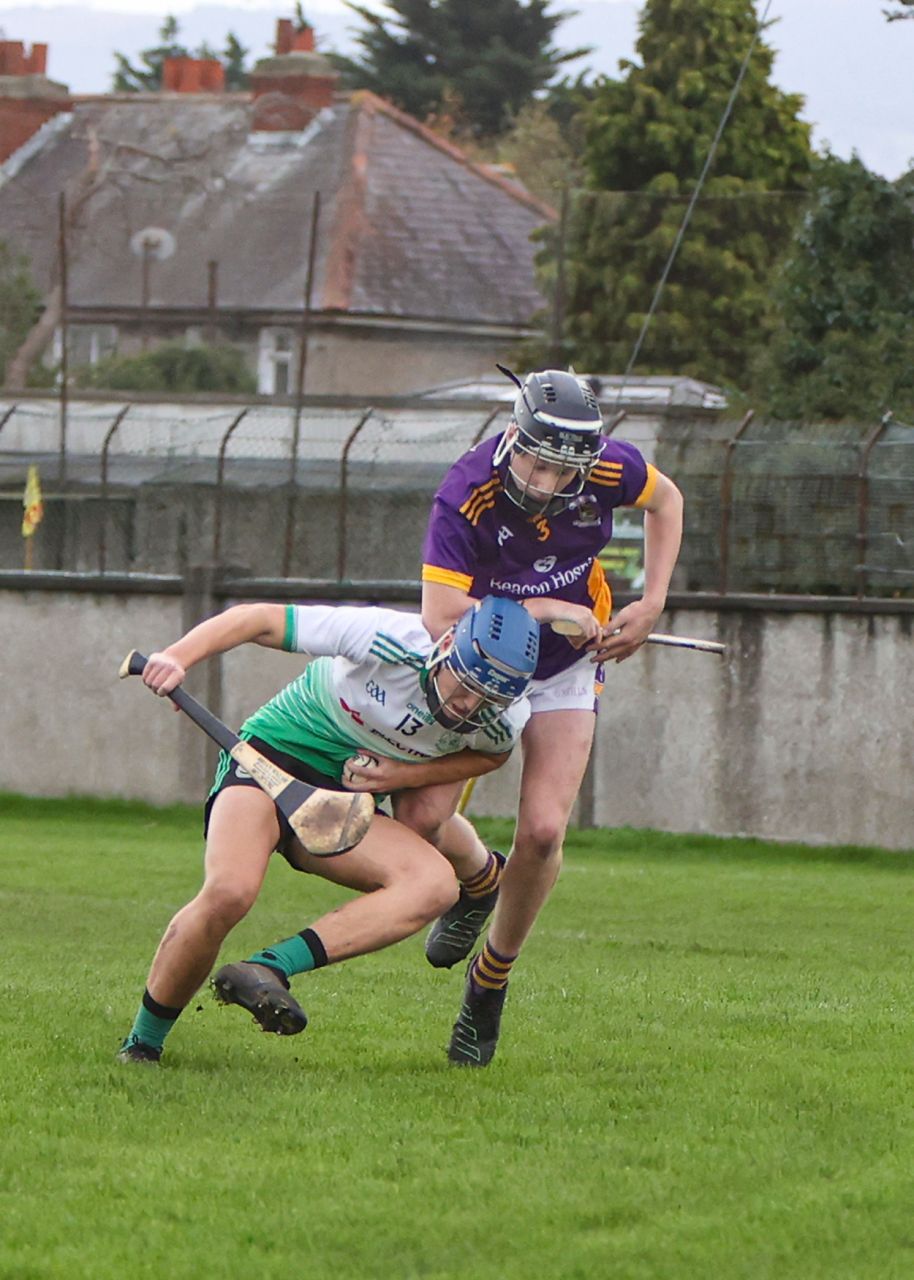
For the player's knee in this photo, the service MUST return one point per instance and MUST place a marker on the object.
(228, 903)
(541, 839)
(421, 816)
(434, 893)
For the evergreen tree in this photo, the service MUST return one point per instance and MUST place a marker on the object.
(20, 303)
(648, 137)
(490, 57)
(234, 56)
(843, 302)
(146, 77)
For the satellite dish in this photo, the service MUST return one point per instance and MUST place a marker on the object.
(156, 241)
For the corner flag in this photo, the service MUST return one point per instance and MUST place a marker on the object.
(32, 502)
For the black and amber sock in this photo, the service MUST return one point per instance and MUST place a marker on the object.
(487, 879)
(490, 970)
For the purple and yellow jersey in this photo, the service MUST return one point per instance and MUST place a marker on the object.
(479, 541)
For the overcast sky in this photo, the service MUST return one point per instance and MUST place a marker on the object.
(855, 70)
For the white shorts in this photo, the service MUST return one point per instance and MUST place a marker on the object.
(578, 688)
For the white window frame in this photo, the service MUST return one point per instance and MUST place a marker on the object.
(276, 350)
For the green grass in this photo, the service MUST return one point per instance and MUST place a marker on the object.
(706, 1070)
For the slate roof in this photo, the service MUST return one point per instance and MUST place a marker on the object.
(409, 228)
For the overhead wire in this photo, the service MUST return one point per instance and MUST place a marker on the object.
(687, 216)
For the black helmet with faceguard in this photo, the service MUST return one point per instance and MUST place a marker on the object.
(556, 420)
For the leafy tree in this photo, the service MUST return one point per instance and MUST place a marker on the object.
(538, 153)
(843, 302)
(147, 76)
(489, 56)
(172, 367)
(648, 138)
(20, 303)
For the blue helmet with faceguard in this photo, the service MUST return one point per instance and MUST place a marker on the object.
(492, 652)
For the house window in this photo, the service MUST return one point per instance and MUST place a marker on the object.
(87, 344)
(274, 365)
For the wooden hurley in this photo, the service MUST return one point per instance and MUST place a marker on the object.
(326, 822)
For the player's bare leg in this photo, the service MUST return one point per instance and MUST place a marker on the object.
(243, 830)
(431, 811)
(556, 746)
(405, 883)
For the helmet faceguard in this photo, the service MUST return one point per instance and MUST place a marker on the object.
(491, 653)
(556, 420)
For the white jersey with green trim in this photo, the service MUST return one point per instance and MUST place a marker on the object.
(363, 692)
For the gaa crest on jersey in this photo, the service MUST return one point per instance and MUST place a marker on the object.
(586, 511)
(374, 690)
(449, 742)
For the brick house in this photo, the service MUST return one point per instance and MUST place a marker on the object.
(189, 216)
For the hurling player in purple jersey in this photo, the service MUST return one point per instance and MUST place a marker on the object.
(526, 515)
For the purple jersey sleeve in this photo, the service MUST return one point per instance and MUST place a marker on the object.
(449, 555)
(623, 467)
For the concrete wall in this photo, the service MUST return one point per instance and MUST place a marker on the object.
(804, 731)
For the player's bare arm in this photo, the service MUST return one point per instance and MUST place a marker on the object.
(547, 610)
(627, 631)
(441, 605)
(262, 624)
(383, 774)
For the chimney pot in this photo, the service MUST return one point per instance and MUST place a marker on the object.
(193, 75)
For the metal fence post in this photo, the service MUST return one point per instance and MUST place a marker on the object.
(300, 384)
(726, 502)
(863, 500)
(220, 487)
(344, 496)
(485, 426)
(6, 417)
(103, 528)
(615, 421)
(64, 334)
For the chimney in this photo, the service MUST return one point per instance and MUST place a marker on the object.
(291, 39)
(27, 97)
(297, 80)
(14, 61)
(193, 75)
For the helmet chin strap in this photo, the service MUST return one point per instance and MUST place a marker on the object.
(438, 708)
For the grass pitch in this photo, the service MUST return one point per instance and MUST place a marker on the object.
(706, 1069)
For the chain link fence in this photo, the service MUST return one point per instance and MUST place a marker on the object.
(340, 491)
(797, 508)
(325, 491)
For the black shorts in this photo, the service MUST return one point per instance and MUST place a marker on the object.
(236, 776)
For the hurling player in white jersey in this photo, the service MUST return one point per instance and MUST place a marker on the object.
(381, 701)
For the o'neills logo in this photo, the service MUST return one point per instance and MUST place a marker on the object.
(545, 564)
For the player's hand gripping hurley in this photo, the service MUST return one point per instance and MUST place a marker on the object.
(326, 822)
(568, 627)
